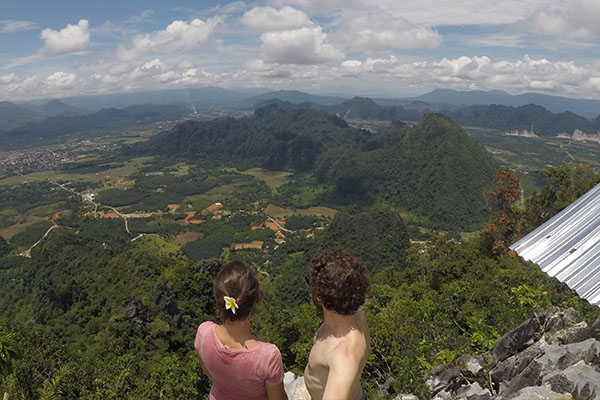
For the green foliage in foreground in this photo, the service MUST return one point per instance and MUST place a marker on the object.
(67, 306)
(447, 300)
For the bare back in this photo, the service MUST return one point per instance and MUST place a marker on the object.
(337, 360)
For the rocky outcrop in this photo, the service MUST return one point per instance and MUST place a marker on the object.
(209, 266)
(137, 315)
(294, 387)
(554, 355)
(167, 302)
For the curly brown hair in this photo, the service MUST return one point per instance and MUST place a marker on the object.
(339, 281)
(236, 280)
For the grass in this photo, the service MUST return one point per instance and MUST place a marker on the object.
(186, 237)
(201, 201)
(11, 231)
(43, 211)
(318, 211)
(469, 235)
(156, 246)
(179, 169)
(273, 179)
(277, 212)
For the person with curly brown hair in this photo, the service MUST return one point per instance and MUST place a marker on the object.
(240, 366)
(341, 346)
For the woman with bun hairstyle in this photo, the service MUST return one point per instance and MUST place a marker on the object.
(240, 366)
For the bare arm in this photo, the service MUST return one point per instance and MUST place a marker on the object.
(344, 374)
(275, 391)
(204, 369)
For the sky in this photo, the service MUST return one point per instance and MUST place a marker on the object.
(61, 48)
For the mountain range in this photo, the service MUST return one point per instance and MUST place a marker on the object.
(495, 110)
(556, 104)
(529, 117)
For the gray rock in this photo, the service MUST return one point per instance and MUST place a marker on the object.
(532, 393)
(443, 395)
(166, 300)
(406, 397)
(555, 357)
(512, 366)
(519, 338)
(137, 315)
(554, 324)
(294, 387)
(563, 325)
(209, 266)
(587, 333)
(441, 378)
(470, 366)
(473, 392)
(386, 389)
(581, 380)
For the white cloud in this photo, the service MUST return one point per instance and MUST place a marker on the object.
(71, 39)
(352, 68)
(61, 80)
(429, 12)
(319, 6)
(108, 28)
(525, 74)
(11, 25)
(577, 19)
(8, 79)
(232, 8)
(14, 85)
(299, 46)
(16, 62)
(389, 73)
(261, 69)
(380, 30)
(141, 17)
(265, 19)
(177, 36)
(594, 82)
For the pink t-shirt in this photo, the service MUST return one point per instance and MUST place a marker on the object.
(237, 373)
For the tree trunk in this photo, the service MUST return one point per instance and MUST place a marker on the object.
(5, 396)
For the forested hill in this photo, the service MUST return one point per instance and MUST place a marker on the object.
(500, 117)
(434, 170)
(272, 137)
(528, 117)
(88, 125)
(437, 170)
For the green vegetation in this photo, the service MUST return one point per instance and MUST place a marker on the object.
(31, 234)
(299, 222)
(434, 169)
(99, 315)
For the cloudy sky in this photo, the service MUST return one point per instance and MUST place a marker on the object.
(389, 47)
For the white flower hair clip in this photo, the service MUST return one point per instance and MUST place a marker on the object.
(230, 303)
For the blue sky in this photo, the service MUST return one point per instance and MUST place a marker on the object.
(66, 47)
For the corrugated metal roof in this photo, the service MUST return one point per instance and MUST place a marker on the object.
(568, 246)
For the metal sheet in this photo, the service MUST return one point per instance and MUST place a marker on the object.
(568, 246)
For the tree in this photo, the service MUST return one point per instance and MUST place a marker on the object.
(566, 185)
(506, 191)
(9, 351)
(503, 225)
